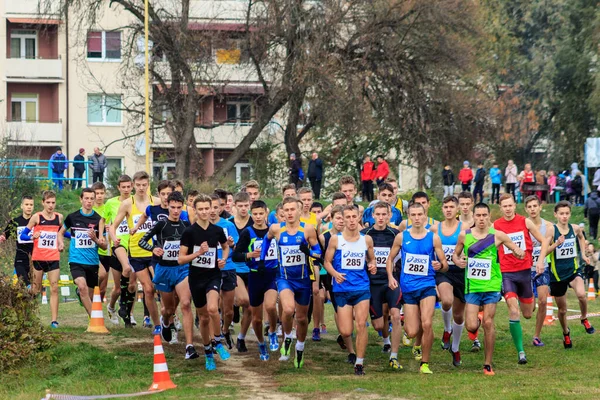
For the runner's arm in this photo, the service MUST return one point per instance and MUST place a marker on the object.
(240, 251)
(371, 263)
(550, 237)
(328, 263)
(271, 234)
(12, 225)
(144, 242)
(121, 214)
(439, 252)
(459, 260)
(540, 238)
(102, 242)
(502, 238)
(579, 232)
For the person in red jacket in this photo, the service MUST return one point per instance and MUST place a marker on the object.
(382, 171)
(367, 174)
(465, 176)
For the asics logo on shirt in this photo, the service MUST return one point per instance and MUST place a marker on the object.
(287, 251)
(352, 254)
(48, 235)
(417, 259)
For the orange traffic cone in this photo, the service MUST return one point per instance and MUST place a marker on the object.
(591, 292)
(549, 320)
(161, 379)
(97, 318)
(44, 298)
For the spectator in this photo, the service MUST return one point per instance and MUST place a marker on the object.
(382, 171)
(591, 211)
(511, 177)
(315, 174)
(540, 179)
(596, 180)
(465, 176)
(449, 181)
(594, 257)
(294, 171)
(99, 164)
(577, 187)
(58, 165)
(78, 169)
(496, 177)
(551, 183)
(367, 175)
(479, 181)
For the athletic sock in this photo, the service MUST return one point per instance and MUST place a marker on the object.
(387, 340)
(359, 361)
(207, 349)
(456, 333)
(287, 336)
(241, 336)
(299, 346)
(447, 317)
(393, 355)
(517, 334)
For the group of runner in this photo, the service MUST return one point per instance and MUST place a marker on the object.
(225, 252)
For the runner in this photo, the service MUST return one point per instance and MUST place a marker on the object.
(386, 195)
(483, 279)
(140, 260)
(253, 190)
(199, 244)
(337, 199)
(349, 189)
(122, 283)
(242, 220)
(417, 278)
(383, 237)
(47, 246)
(567, 241)
(540, 282)
(421, 198)
(170, 278)
(14, 228)
(400, 204)
(293, 240)
(189, 206)
(104, 254)
(516, 272)
(262, 288)
(85, 226)
(288, 190)
(348, 257)
(451, 284)
(319, 297)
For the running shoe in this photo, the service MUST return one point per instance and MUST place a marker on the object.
(279, 330)
(273, 342)
(424, 369)
(567, 340)
(159, 331)
(394, 364)
(210, 362)
(299, 359)
(191, 353)
(266, 331)
(241, 346)
(340, 341)
(351, 358)
(316, 336)
(537, 342)
(125, 317)
(359, 370)
(446, 340)
(222, 352)
(476, 346)
(406, 341)
(487, 370)
(264, 354)
(113, 317)
(588, 327)
(285, 350)
(177, 323)
(417, 353)
(456, 360)
(54, 324)
(522, 358)
(78, 296)
(147, 323)
(228, 342)
(133, 321)
(386, 348)
(323, 329)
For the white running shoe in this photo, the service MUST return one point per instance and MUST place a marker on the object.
(132, 320)
(112, 315)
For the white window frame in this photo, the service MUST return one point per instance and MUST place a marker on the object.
(164, 168)
(24, 100)
(21, 35)
(238, 171)
(238, 112)
(104, 110)
(103, 58)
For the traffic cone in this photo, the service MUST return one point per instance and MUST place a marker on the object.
(161, 379)
(549, 320)
(97, 318)
(44, 298)
(591, 292)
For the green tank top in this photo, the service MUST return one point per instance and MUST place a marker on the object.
(483, 269)
(563, 260)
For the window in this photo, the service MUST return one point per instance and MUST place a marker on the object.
(24, 107)
(240, 110)
(112, 165)
(23, 44)
(104, 45)
(104, 109)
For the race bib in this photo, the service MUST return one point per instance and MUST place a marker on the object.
(518, 238)
(381, 256)
(206, 260)
(20, 230)
(291, 256)
(353, 260)
(83, 240)
(566, 250)
(448, 251)
(257, 245)
(479, 269)
(171, 250)
(48, 240)
(535, 256)
(145, 227)
(416, 264)
(123, 228)
(226, 237)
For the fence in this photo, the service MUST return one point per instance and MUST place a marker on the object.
(12, 169)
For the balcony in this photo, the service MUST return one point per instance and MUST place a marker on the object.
(34, 69)
(34, 133)
(226, 136)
